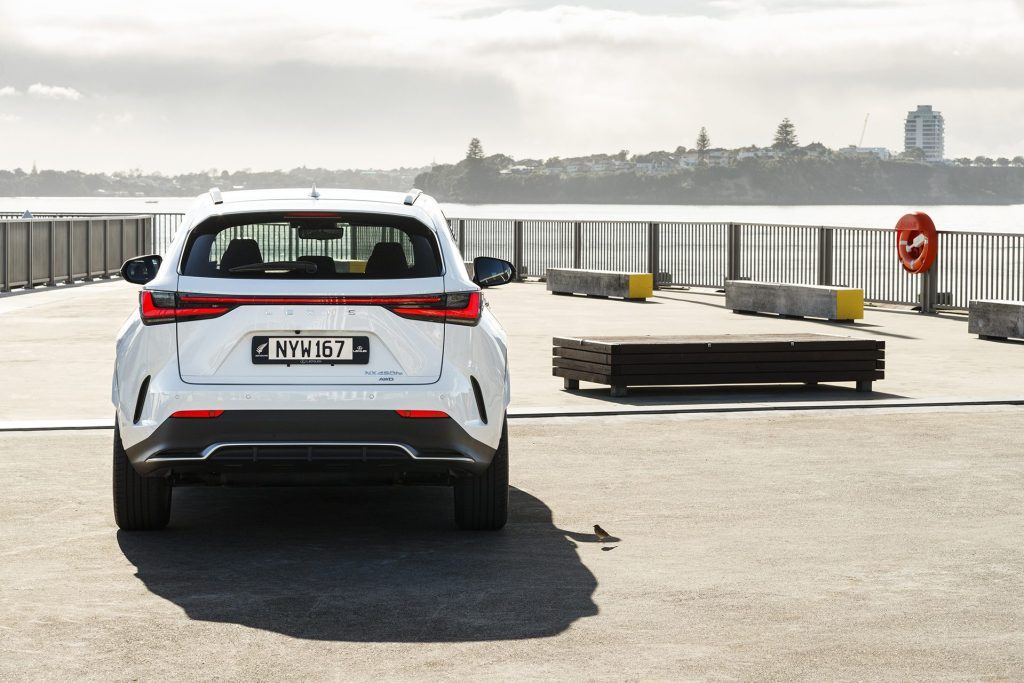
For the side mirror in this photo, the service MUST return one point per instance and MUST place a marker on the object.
(141, 269)
(490, 272)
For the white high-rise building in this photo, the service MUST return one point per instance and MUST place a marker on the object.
(925, 130)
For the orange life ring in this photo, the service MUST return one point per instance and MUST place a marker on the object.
(917, 242)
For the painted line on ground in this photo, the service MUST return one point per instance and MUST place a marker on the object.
(674, 409)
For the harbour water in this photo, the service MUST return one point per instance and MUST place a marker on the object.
(982, 218)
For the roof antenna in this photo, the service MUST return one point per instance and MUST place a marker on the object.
(314, 194)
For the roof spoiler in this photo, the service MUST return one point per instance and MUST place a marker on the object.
(411, 198)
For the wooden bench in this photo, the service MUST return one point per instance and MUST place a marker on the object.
(600, 283)
(791, 300)
(718, 359)
(994, 319)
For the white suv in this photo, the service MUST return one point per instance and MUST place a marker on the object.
(311, 337)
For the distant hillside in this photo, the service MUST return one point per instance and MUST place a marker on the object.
(45, 183)
(749, 181)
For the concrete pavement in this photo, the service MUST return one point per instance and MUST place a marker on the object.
(854, 545)
(56, 350)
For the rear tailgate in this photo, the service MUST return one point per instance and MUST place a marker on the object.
(317, 332)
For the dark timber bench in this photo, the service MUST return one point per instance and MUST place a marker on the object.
(993, 319)
(600, 283)
(717, 359)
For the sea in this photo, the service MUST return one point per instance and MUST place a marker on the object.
(980, 218)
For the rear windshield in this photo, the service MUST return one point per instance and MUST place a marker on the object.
(306, 245)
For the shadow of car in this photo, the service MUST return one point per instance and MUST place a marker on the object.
(363, 565)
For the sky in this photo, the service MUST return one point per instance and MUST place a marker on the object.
(112, 85)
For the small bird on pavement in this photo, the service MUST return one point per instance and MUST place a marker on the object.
(602, 535)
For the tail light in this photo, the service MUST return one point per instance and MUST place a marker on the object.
(164, 307)
(462, 308)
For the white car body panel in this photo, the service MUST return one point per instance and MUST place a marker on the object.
(206, 364)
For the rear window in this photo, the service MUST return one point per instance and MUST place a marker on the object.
(306, 245)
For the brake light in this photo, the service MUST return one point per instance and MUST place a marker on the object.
(431, 414)
(197, 413)
(463, 308)
(163, 307)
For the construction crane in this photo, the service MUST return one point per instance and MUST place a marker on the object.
(864, 129)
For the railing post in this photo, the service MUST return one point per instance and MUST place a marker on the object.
(106, 247)
(577, 245)
(71, 251)
(930, 288)
(734, 265)
(826, 255)
(6, 287)
(88, 250)
(462, 236)
(653, 250)
(51, 279)
(29, 284)
(517, 249)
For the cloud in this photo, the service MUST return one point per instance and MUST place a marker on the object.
(54, 92)
(9, 118)
(124, 118)
(9, 91)
(529, 77)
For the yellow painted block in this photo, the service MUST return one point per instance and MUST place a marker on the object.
(641, 285)
(352, 266)
(850, 304)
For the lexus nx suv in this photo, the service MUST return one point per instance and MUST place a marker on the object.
(311, 337)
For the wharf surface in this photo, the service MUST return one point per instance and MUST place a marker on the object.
(64, 338)
(755, 542)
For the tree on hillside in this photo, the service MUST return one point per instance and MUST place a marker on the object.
(623, 155)
(982, 161)
(962, 161)
(1018, 161)
(703, 145)
(475, 150)
(1002, 161)
(913, 154)
(785, 136)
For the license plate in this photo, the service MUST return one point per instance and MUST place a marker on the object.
(298, 350)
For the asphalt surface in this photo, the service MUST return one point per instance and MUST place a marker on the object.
(57, 351)
(853, 545)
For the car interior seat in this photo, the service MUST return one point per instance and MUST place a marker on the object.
(387, 260)
(240, 252)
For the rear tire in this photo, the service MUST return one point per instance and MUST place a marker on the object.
(481, 500)
(140, 503)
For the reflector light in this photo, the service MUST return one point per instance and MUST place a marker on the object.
(422, 413)
(197, 413)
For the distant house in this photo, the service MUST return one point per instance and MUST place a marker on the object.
(865, 152)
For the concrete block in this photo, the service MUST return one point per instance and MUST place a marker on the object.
(600, 283)
(810, 301)
(994, 318)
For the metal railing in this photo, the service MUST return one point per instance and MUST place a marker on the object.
(46, 251)
(970, 265)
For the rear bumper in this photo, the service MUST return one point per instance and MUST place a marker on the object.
(288, 445)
